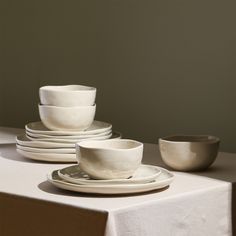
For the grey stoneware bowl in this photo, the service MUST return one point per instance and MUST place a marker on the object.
(189, 152)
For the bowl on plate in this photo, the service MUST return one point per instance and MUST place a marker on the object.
(109, 159)
(189, 152)
(67, 95)
(67, 118)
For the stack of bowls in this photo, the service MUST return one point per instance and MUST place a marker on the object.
(66, 108)
(67, 117)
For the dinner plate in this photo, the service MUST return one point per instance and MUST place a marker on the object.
(163, 180)
(114, 135)
(48, 157)
(46, 150)
(145, 173)
(23, 140)
(109, 132)
(96, 128)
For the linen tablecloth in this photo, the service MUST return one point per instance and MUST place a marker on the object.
(194, 204)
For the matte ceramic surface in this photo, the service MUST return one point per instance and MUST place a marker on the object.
(46, 150)
(23, 140)
(189, 152)
(109, 159)
(67, 118)
(67, 95)
(114, 135)
(145, 173)
(96, 127)
(48, 157)
(68, 136)
(162, 181)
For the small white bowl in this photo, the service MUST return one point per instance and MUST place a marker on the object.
(67, 118)
(189, 152)
(109, 159)
(67, 95)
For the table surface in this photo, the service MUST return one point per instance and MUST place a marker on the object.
(27, 178)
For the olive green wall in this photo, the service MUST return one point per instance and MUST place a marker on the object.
(160, 67)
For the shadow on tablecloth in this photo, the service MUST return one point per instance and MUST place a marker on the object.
(8, 151)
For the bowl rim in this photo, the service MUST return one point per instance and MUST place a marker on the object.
(63, 88)
(71, 107)
(190, 138)
(82, 144)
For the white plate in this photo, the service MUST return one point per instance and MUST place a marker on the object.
(25, 141)
(115, 135)
(145, 173)
(96, 128)
(46, 150)
(163, 180)
(68, 136)
(49, 157)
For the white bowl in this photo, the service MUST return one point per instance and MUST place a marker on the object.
(109, 159)
(189, 152)
(67, 118)
(67, 95)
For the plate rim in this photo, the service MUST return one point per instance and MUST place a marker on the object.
(74, 140)
(112, 181)
(107, 190)
(47, 157)
(57, 132)
(37, 143)
(46, 150)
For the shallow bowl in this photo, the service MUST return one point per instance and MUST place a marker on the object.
(67, 118)
(189, 152)
(109, 159)
(67, 95)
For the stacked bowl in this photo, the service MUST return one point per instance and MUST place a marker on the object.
(67, 117)
(66, 108)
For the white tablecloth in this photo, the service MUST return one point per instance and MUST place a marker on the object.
(194, 204)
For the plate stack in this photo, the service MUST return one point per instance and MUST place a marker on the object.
(110, 167)
(146, 178)
(67, 117)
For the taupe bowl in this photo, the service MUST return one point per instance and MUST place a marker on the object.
(189, 152)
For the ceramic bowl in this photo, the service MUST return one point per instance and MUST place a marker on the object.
(109, 159)
(67, 96)
(189, 152)
(67, 118)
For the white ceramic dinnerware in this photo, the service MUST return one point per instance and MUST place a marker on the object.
(25, 141)
(68, 136)
(96, 127)
(67, 95)
(48, 157)
(163, 180)
(46, 150)
(49, 150)
(189, 152)
(109, 159)
(67, 118)
(145, 173)
(114, 135)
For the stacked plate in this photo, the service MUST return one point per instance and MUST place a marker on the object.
(146, 178)
(40, 143)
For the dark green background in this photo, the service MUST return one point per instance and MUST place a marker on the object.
(160, 67)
